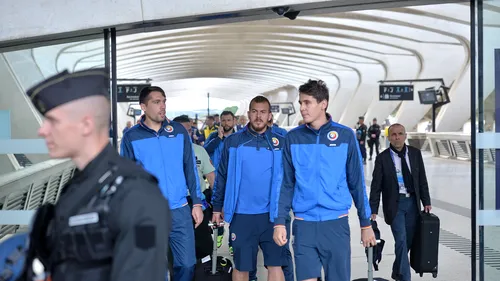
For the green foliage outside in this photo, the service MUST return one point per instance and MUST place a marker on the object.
(233, 109)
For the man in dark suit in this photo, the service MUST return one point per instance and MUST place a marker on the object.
(404, 187)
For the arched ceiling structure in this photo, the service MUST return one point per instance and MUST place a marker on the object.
(350, 51)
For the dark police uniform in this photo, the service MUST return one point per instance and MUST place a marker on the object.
(111, 221)
(361, 131)
(374, 135)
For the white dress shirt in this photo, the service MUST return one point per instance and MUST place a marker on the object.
(399, 170)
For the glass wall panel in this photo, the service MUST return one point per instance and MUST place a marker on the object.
(27, 176)
(488, 138)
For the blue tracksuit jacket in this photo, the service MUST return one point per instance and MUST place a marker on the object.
(168, 155)
(279, 130)
(213, 146)
(322, 174)
(228, 179)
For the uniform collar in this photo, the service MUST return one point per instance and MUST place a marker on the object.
(163, 124)
(253, 133)
(97, 165)
(324, 126)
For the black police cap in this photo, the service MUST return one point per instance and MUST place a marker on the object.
(66, 87)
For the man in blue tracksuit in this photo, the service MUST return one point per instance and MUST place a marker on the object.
(247, 186)
(322, 175)
(214, 143)
(164, 149)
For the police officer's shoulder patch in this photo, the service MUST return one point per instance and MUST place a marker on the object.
(145, 236)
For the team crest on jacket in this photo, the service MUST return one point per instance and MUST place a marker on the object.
(333, 135)
(276, 141)
(169, 129)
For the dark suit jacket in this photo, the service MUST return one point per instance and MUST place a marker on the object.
(385, 181)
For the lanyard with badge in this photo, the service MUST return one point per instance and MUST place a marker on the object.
(399, 174)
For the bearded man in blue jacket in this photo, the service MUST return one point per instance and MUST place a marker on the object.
(322, 175)
(246, 186)
(164, 149)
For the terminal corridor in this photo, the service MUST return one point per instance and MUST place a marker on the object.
(176, 79)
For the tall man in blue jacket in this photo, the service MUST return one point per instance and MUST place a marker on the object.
(322, 175)
(164, 148)
(246, 186)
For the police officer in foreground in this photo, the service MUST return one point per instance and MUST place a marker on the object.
(111, 221)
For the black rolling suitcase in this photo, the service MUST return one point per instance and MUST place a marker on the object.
(425, 247)
(214, 268)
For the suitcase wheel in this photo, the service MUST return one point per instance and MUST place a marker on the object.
(421, 274)
(434, 274)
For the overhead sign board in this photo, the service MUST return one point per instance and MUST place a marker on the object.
(132, 112)
(395, 92)
(130, 92)
(286, 110)
(427, 96)
(275, 108)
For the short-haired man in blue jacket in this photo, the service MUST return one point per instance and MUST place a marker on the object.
(214, 143)
(247, 185)
(322, 175)
(164, 149)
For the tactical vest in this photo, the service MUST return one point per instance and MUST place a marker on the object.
(85, 236)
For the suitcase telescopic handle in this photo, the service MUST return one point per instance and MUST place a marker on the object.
(215, 229)
(370, 261)
(378, 241)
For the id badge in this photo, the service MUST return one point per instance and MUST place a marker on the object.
(402, 188)
(83, 219)
(401, 182)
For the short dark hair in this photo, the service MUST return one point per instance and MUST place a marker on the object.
(144, 95)
(317, 89)
(226, 112)
(182, 119)
(210, 117)
(216, 115)
(259, 99)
